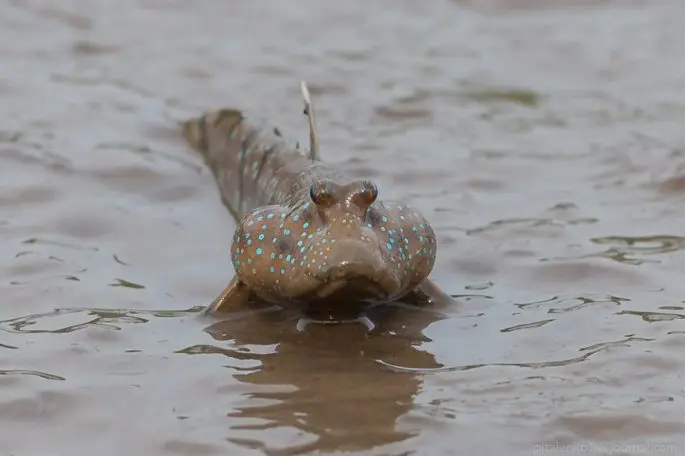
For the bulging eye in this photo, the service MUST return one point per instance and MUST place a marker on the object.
(368, 192)
(322, 193)
(364, 194)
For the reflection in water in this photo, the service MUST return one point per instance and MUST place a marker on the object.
(339, 394)
(328, 388)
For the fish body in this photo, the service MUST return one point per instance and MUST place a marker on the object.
(308, 234)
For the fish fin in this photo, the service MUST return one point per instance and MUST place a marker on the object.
(195, 132)
(235, 296)
(428, 293)
(309, 112)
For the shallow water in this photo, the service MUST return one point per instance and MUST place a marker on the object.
(545, 144)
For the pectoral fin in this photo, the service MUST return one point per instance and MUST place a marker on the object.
(235, 296)
(429, 294)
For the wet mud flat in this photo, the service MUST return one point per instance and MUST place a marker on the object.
(543, 141)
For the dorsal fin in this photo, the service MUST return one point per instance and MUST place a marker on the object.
(309, 112)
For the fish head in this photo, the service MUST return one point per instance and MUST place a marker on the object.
(341, 247)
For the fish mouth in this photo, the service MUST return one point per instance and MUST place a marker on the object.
(358, 280)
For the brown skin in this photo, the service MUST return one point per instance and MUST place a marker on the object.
(307, 235)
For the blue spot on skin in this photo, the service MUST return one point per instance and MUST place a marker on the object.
(286, 232)
(259, 251)
(282, 271)
(306, 225)
(299, 243)
(384, 218)
(269, 216)
(250, 223)
(282, 215)
(272, 269)
(389, 246)
(296, 217)
(273, 255)
(263, 227)
(261, 237)
(287, 258)
(249, 242)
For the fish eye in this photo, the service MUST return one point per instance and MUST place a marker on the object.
(322, 193)
(368, 192)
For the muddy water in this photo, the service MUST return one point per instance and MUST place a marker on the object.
(546, 145)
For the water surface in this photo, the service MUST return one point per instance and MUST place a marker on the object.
(544, 140)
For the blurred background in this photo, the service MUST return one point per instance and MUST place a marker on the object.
(544, 141)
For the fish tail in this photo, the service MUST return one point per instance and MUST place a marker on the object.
(195, 132)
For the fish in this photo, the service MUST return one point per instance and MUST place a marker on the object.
(309, 236)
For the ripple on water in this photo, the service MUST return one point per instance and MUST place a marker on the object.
(616, 428)
(73, 319)
(43, 375)
(559, 304)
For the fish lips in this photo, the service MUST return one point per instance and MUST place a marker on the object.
(367, 280)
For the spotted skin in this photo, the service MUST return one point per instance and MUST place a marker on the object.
(308, 235)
